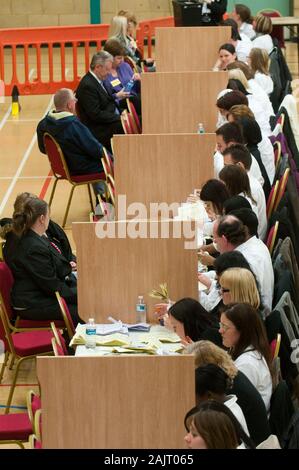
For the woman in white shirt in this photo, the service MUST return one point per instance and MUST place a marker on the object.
(243, 331)
(242, 15)
(263, 28)
(259, 63)
(240, 41)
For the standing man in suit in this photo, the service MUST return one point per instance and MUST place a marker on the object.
(97, 108)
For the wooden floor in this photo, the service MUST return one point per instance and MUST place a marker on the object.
(24, 168)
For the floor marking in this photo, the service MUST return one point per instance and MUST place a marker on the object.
(22, 164)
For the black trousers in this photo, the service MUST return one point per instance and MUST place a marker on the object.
(49, 312)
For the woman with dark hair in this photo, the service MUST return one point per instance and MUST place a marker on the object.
(192, 322)
(243, 332)
(39, 268)
(252, 137)
(242, 15)
(227, 55)
(237, 183)
(212, 383)
(213, 194)
(239, 40)
(120, 75)
(215, 427)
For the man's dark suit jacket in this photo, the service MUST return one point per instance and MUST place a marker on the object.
(39, 270)
(97, 108)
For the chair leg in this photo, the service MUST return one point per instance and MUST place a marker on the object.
(68, 206)
(53, 191)
(90, 198)
(13, 385)
(6, 355)
(12, 361)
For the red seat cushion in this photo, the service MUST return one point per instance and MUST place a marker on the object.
(15, 426)
(32, 342)
(39, 324)
(89, 178)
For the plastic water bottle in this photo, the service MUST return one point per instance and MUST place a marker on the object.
(201, 129)
(91, 334)
(129, 85)
(140, 310)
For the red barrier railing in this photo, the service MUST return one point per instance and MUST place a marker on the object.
(37, 48)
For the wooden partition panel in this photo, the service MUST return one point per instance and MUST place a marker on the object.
(115, 402)
(189, 49)
(161, 168)
(112, 272)
(175, 102)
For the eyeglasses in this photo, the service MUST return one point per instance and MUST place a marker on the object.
(223, 326)
(223, 289)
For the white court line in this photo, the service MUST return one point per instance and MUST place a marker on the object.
(8, 112)
(21, 166)
(24, 160)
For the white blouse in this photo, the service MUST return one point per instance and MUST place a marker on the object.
(263, 42)
(265, 82)
(254, 366)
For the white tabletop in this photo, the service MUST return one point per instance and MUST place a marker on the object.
(153, 337)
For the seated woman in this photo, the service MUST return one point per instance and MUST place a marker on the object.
(213, 426)
(211, 300)
(265, 147)
(39, 269)
(237, 183)
(213, 194)
(259, 63)
(119, 30)
(227, 54)
(243, 332)
(55, 234)
(242, 15)
(239, 40)
(192, 322)
(248, 397)
(212, 383)
(262, 25)
(238, 285)
(121, 74)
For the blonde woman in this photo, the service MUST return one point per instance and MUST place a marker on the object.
(119, 30)
(250, 401)
(259, 63)
(263, 28)
(238, 285)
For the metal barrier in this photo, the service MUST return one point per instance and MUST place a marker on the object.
(47, 51)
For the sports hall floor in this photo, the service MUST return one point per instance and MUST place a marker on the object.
(24, 168)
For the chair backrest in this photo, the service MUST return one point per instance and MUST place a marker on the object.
(132, 124)
(57, 349)
(6, 284)
(133, 111)
(272, 237)
(59, 338)
(125, 123)
(281, 187)
(33, 404)
(34, 442)
(281, 409)
(1, 251)
(38, 425)
(271, 199)
(131, 63)
(56, 158)
(108, 161)
(66, 316)
(277, 152)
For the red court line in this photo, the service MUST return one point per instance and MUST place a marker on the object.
(45, 185)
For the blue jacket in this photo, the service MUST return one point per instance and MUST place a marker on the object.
(80, 148)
